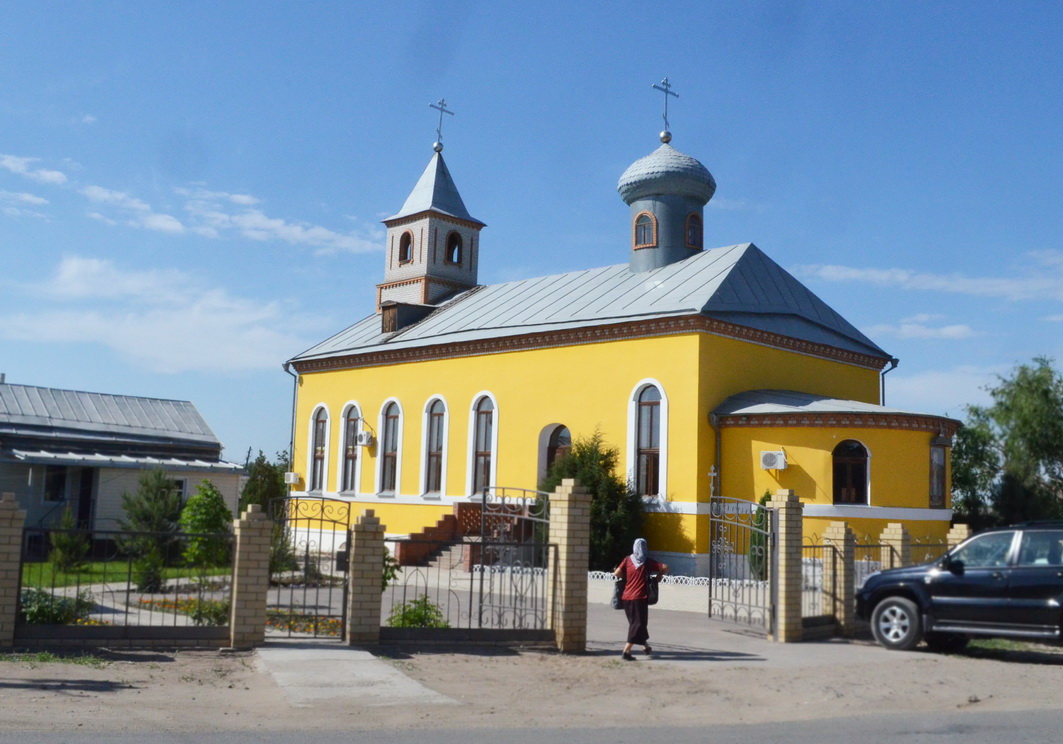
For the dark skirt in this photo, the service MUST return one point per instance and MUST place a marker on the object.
(638, 613)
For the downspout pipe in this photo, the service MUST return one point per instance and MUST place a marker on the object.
(291, 437)
(882, 384)
(714, 422)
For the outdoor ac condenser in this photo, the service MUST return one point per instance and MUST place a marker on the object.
(364, 439)
(773, 460)
(291, 479)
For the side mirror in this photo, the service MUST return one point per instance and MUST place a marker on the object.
(954, 565)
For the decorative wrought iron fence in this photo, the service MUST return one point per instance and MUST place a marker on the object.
(818, 571)
(741, 563)
(100, 584)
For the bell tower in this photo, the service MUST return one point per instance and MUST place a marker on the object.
(432, 242)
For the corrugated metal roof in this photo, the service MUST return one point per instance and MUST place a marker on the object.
(738, 284)
(435, 190)
(768, 402)
(98, 460)
(100, 413)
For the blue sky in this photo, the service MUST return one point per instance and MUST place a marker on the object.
(191, 192)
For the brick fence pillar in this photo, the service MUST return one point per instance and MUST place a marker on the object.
(11, 521)
(247, 623)
(364, 574)
(570, 531)
(896, 546)
(788, 623)
(958, 534)
(839, 598)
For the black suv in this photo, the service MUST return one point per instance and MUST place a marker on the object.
(1004, 582)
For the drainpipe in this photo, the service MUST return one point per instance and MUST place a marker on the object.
(291, 438)
(882, 390)
(714, 421)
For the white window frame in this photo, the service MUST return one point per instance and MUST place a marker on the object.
(633, 436)
(426, 428)
(310, 449)
(398, 448)
(471, 463)
(341, 452)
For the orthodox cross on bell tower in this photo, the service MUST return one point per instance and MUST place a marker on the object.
(665, 87)
(441, 107)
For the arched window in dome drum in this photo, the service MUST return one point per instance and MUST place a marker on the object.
(406, 247)
(453, 253)
(694, 231)
(645, 231)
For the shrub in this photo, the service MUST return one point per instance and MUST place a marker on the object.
(391, 570)
(43, 608)
(69, 546)
(758, 542)
(205, 512)
(154, 509)
(417, 613)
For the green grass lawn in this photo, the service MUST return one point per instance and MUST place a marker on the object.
(44, 575)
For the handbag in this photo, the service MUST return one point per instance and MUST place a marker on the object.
(618, 591)
(653, 593)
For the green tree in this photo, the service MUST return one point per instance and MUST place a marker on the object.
(265, 486)
(205, 513)
(153, 511)
(616, 509)
(69, 544)
(1007, 462)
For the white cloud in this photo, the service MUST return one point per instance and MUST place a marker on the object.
(162, 223)
(1053, 318)
(16, 204)
(911, 330)
(1046, 284)
(88, 119)
(22, 198)
(945, 392)
(162, 320)
(142, 213)
(21, 166)
(120, 199)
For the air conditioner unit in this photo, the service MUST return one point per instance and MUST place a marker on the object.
(291, 479)
(773, 460)
(364, 439)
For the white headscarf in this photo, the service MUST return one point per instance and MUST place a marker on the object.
(638, 552)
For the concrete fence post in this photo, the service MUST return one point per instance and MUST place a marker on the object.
(364, 574)
(839, 594)
(247, 622)
(958, 534)
(896, 546)
(12, 519)
(788, 622)
(570, 531)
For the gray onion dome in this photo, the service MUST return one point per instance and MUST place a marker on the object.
(666, 171)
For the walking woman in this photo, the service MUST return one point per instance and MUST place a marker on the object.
(635, 570)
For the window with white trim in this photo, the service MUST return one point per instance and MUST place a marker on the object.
(317, 450)
(351, 421)
(483, 444)
(435, 419)
(648, 447)
(389, 446)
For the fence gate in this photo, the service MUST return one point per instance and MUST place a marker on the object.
(741, 563)
(308, 567)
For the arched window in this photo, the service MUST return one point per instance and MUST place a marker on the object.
(850, 473)
(483, 444)
(406, 247)
(694, 231)
(434, 432)
(350, 449)
(389, 448)
(453, 254)
(645, 231)
(560, 444)
(317, 450)
(648, 446)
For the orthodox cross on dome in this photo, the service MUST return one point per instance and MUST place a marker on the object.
(441, 107)
(665, 87)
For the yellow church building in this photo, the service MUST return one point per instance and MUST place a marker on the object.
(713, 371)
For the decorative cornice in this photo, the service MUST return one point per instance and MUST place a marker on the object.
(417, 216)
(625, 330)
(863, 420)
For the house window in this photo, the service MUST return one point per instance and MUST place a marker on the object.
(390, 449)
(54, 483)
(317, 465)
(645, 231)
(406, 248)
(560, 444)
(483, 444)
(453, 254)
(694, 231)
(648, 447)
(850, 473)
(350, 449)
(937, 477)
(434, 447)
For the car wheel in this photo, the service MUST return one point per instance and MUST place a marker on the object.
(895, 623)
(946, 642)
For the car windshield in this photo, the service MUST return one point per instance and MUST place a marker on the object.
(990, 550)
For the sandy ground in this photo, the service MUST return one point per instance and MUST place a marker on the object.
(194, 691)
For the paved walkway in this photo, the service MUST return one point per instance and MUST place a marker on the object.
(312, 671)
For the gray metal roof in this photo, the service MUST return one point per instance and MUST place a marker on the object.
(436, 191)
(738, 284)
(98, 460)
(768, 402)
(25, 409)
(666, 171)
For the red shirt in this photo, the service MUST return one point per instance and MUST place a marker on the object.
(635, 588)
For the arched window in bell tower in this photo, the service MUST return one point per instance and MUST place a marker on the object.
(695, 238)
(406, 247)
(453, 254)
(645, 231)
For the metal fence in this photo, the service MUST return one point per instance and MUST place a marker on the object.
(112, 585)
